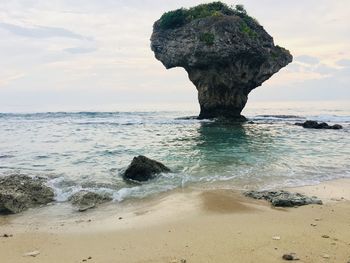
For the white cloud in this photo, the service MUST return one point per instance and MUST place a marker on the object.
(88, 46)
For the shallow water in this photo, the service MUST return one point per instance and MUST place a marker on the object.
(91, 149)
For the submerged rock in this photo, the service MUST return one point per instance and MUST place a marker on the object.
(20, 192)
(283, 198)
(143, 169)
(85, 200)
(318, 125)
(225, 52)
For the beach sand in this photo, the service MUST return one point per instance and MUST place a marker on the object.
(188, 225)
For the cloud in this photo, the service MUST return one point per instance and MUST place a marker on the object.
(344, 63)
(80, 50)
(41, 31)
(102, 47)
(307, 59)
(309, 67)
(7, 76)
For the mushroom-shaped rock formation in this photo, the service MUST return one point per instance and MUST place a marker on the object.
(225, 52)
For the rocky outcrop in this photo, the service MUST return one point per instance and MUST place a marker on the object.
(143, 169)
(20, 192)
(85, 200)
(283, 198)
(319, 125)
(225, 52)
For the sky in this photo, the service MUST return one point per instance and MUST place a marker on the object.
(94, 54)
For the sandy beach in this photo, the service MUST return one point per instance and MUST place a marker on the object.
(186, 226)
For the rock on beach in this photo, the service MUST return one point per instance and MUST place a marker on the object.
(20, 192)
(143, 169)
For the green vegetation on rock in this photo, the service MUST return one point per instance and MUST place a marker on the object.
(173, 19)
(208, 38)
(247, 30)
(182, 16)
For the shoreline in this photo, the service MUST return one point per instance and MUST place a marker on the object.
(198, 225)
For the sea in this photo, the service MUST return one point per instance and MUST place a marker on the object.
(90, 150)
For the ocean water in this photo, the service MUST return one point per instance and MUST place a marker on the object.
(90, 150)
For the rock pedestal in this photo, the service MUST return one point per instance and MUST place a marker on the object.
(226, 54)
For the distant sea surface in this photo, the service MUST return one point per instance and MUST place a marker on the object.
(90, 150)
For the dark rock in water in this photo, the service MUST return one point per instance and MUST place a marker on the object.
(337, 127)
(225, 52)
(283, 198)
(85, 200)
(20, 192)
(317, 125)
(143, 169)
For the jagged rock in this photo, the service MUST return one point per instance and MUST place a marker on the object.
(20, 192)
(283, 198)
(225, 52)
(317, 125)
(143, 169)
(85, 200)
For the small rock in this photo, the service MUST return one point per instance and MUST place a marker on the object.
(143, 169)
(337, 127)
(317, 219)
(290, 257)
(326, 256)
(313, 225)
(85, 200)
(179, 261)
(7, 235)
(317, 125)
(120, 218)
(335, 199)
(283, 198)
(32, 253)
(325, 236)
(276, 238)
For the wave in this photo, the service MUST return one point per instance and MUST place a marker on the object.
(6, 156)
(289, 118)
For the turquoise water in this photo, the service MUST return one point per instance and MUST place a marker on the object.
(90, 150)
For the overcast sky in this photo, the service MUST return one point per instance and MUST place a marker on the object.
(83, 54)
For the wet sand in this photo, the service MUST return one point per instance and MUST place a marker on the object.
(186, 226)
